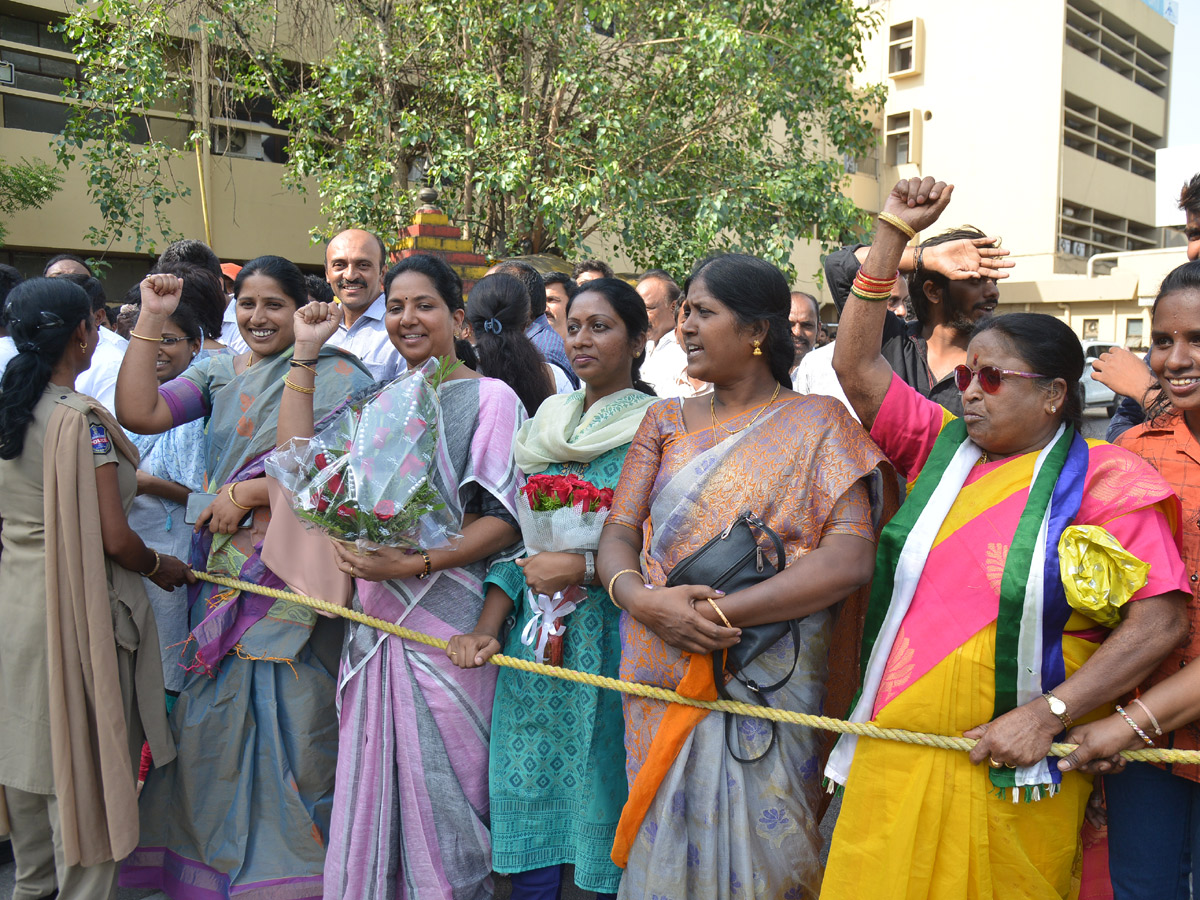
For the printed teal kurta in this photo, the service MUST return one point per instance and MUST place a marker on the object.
(557, 766)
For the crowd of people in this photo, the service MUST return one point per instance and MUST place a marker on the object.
(936, 547)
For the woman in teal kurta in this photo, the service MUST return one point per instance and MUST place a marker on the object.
(557, 766)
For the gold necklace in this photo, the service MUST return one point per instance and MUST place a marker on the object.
(712, 406)
(250, 361)
(983, 460)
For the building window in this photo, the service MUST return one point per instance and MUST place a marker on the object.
(1091, 329)
(903, 138)
(1100, 35)
(906, 48)
(1094, 131)
(1133, 334)
(1083, 231)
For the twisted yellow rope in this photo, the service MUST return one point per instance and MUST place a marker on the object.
(656, 693)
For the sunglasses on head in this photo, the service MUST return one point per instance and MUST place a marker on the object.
(990, 377)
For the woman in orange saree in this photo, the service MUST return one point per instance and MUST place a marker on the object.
(723, 808)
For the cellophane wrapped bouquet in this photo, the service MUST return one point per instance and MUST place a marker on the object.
(562, 513)
(367, 477)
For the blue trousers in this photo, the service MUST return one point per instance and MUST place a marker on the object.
(1153, 833)
(542, 884)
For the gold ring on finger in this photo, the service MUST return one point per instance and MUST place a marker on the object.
(994, 763)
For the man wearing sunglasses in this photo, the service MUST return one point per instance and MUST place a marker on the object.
(948, 299)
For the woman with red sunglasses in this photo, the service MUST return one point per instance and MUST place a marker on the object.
(979, 623)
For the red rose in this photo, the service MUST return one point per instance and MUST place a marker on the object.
(334, 484)
(606, 498)
(322, 502)
(347, 512)
(384, 510)
(322, 461)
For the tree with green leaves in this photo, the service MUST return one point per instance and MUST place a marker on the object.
(673, 129)
(25, 185)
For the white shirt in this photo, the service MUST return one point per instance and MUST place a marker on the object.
(8, 349)
(562, 384)
(665, 363)
(815, 375)
(368, 339)
(231, 337)
(99, 380)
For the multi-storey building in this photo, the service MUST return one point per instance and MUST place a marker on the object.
(249, 211)
(1046, 115)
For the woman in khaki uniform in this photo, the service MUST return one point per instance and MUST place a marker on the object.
(80, 675)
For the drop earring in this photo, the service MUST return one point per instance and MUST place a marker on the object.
(757, 348)
(82, 345)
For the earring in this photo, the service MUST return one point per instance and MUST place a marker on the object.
(83, 345)
(1053, 409)
(757, 348)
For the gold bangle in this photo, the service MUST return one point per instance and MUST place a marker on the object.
(142, 337)
(300, 365)
(233, 499)
(613, 581)
(898, 223)
(717, 609)
(157, 563)
(295, 387)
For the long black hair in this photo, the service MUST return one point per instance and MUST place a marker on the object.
(43, 314)
(755, 291)
(283, 271)
(1050, 348)
(498, 310)
(630, 309)
(1181, 278)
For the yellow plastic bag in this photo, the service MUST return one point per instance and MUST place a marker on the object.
(1099, 575)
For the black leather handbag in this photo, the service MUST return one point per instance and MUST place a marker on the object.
(732, 561)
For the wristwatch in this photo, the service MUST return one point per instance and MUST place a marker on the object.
(1059, 709)
(589, 567)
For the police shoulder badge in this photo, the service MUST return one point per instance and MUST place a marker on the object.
(101, 442)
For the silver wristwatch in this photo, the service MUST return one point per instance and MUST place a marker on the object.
(589, 567)
(1059, 709)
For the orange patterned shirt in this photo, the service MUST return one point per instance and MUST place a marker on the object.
(1172, 449)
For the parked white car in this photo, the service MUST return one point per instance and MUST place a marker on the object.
(1094, 393)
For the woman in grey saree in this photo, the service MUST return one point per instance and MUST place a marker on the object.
(244, 809)
(699, 822)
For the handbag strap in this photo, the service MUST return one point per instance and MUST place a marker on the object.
(755, 522)
(757, 691)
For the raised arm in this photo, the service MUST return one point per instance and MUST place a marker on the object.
(140, 407)
(315, 324)
(863, 372)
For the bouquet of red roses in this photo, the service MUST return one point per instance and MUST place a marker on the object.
(562, 513)
(367, 477)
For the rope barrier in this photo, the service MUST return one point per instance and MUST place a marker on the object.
(825, 723)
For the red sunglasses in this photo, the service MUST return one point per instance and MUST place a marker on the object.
(989, 377)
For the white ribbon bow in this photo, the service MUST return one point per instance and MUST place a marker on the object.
(540, 626)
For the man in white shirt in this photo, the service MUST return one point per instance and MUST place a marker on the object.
(665, 359)
(812, 372)
(99, 380)
(355, 263)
